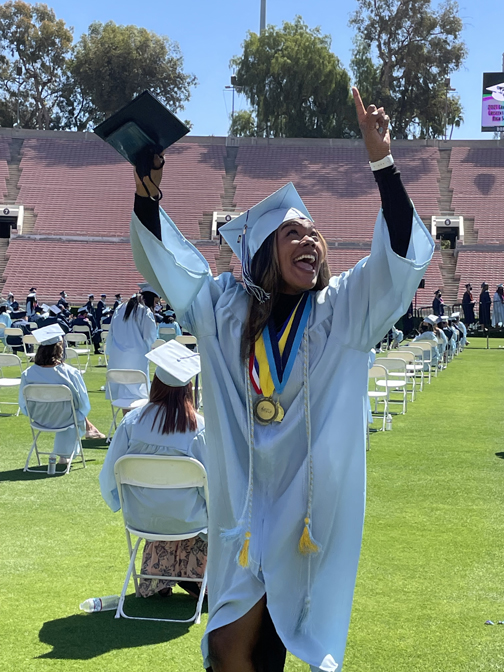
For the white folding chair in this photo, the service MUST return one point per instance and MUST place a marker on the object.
(157, 343)
(187, 340)
(33, 325)
(2, 334)
(379, 372)
(105, 327)
(78, 343)
(396, 380)
(420, 361)
(28, 339)
(14, 332)
(160, 472)
(429, 347)
(411, 368)
(167, 333)
(82, 329)
(7, 360)
(42, 395)
(124, 377)
(72, 358)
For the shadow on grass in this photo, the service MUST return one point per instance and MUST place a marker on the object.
(85, 636)
(501, 455)
(39, 473)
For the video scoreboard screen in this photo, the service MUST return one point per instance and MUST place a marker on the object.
(492, 111)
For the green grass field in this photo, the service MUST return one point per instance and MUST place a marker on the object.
(430, 568)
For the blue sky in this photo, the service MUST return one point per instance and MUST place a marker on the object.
(211, 33)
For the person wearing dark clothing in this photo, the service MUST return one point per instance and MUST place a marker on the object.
(485, 303)
(117, 301)
(437, 304)
(100, 307)
(468, 306)
(84, 319)
(91, 310)
(19, 321)
(407, 321)
(62, 302)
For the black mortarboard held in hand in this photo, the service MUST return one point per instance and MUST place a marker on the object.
(140, 130)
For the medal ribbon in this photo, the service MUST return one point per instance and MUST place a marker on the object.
(275, 353)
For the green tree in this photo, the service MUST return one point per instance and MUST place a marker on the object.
(33, 40)
(294, 82)
(404, 51)
(111, 64)
(243, 124)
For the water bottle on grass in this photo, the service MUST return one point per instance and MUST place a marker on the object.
(100, 604)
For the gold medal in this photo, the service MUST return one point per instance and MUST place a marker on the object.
(280, 413)
(265, 410)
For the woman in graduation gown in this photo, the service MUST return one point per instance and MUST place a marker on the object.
(132, 332)
(286, 440)
(498, 307)
(167, 425)
(49, 368)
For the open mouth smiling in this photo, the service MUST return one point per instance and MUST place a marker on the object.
(306, 262)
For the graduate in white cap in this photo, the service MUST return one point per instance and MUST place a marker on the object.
(167, 425)
(285, 367)
(132, 332)
(49, 368)
(427, 330)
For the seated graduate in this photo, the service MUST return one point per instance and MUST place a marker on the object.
(107, 316)
(5, 320)
(167, 425)
(84, 319)
(31, 302)
(426, 329)
(100, 307)
(10, 299)
(19, 321)
(170, 322)
(49, 368)
(62, 301)
(54, 315)
(458, 324)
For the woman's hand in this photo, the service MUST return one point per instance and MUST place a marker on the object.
(373, 123)
(155, 178)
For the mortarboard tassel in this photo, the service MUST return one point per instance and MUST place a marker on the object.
(307, 543)
(243, 557)
(250, 286)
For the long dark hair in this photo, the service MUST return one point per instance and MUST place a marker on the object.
(265, 272)
(175, 408)
(132, 306)
(49, 355)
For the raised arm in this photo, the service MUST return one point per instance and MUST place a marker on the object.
(396, 204)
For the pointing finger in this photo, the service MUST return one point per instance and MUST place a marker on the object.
(359, 105)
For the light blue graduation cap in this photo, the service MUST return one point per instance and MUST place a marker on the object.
(245, 234)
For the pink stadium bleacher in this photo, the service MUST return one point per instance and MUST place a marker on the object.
(77, 267)
(4, 168)
(478, 189)
(79, 187)
(335, 183)
(478, 267)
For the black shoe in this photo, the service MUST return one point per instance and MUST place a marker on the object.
(190, 587)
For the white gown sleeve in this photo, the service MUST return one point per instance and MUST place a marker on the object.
(367, 300)
(173, 266)
(118, 447)
(80, 395)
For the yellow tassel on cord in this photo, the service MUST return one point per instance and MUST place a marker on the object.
(243, 557)
(306, 543)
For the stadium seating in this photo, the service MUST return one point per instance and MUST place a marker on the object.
(81, 187)
(335, 183)
(478, 189)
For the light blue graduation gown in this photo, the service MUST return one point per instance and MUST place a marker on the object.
(57, 415)
(148, 509)
(429, 336)
(347, 318)
(128, 342)
(463, 329)
(7, 322)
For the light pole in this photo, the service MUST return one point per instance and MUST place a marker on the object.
(19, 74)
(262, 24)
(448, 88)
(233, 88)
